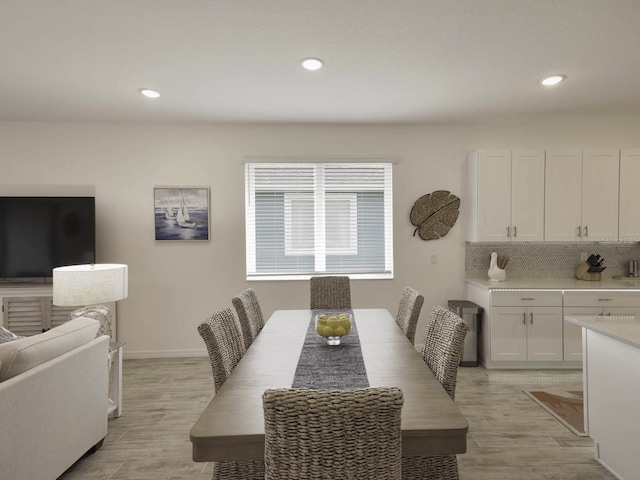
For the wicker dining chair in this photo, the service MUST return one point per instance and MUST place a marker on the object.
(441, 350)
(225, 345)
(409, 311)
(249, 314)
(223, 338)
(332, 292)
(351, 434)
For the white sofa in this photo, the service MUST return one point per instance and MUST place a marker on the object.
(53, 400)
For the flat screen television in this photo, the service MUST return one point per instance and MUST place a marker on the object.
(38, 234)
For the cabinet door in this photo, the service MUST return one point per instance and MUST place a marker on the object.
(527, 195)
(600, 178)
(494, 195)
(563, 191)
(572, 333)
(25, 316)
(629, 195)
(508, 334)
(544, 333)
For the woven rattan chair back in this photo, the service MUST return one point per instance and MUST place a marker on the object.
(441, 350)
(329, 434)
(332, 292)
(442, 346)
(249, 314)
(409, 311)
(225, 345)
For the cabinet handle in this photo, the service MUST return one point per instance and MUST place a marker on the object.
(508, 232)
(527, 298)
(580, 231)
(605, 299)
(586, 230)
(524, 318)
(515, 231)
(531, 318)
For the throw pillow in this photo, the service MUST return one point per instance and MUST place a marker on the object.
(7, 336)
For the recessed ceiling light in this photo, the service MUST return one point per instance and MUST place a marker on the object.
(553, 80)
(312, 63)
(149, 93)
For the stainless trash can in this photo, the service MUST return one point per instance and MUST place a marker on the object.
(470, 313)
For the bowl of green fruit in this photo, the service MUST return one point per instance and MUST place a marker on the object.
(333, 326)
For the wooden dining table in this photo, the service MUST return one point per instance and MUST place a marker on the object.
(232, 425)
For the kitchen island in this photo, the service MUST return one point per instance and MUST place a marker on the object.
(611, 356)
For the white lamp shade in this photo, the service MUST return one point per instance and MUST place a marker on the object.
(79, 285)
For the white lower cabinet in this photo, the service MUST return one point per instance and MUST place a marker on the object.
(29, 310)
(526, 328)
(526, 333)
(593, 302)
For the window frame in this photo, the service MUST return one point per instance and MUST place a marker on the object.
(321, 252)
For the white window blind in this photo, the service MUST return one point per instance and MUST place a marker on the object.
(305, 219)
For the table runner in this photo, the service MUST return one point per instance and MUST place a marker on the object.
(323, 366)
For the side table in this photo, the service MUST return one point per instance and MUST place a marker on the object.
(115, 404)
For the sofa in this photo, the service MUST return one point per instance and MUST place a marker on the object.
(53, 400)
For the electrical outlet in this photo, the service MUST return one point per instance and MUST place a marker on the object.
(584, 256)
(434, 259)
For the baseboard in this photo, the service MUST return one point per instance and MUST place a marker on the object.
(141, 354)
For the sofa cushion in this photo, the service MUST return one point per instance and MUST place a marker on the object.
(21, 355)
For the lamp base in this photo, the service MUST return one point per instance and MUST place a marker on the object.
(97, 312)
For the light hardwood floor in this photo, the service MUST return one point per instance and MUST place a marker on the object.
(510, 436)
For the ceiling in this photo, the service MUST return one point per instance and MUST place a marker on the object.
(386, 61)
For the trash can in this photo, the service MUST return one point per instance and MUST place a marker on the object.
(470, 313)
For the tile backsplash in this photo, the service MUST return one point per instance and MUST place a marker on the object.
(549, 259)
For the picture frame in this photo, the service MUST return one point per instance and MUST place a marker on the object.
(181, 213)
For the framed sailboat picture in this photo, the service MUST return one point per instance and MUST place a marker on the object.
(181, 213)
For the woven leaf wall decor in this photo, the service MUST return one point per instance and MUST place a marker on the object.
(434, 214)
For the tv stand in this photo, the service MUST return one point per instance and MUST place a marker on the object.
(27, 309)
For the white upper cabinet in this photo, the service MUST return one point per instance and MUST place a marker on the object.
(506, 196)
(527, 195)
(629, 195)
(581, 195)
(600, 180)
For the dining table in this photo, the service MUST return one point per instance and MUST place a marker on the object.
(231, 428)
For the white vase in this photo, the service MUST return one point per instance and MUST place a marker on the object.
(496, 274)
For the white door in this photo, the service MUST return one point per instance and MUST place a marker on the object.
(508, 334)
(629, 195)
(600, 178)
(527, 195)
(544, 333)
(494, 195)
(563, 192)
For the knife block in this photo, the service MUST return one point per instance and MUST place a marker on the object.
(582, 273)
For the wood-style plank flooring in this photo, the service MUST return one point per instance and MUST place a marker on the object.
(510, 436)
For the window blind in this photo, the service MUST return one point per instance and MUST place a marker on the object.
(318, 218)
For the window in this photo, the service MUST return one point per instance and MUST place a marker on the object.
(305, 219)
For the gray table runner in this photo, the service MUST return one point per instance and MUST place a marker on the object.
(323, 366)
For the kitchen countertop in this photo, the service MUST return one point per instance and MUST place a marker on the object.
(624, 328)
(556, 283)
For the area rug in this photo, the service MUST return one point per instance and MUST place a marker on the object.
(566, 406)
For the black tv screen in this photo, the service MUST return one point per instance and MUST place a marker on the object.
(38, 234)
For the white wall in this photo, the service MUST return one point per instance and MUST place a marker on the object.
(173, 286)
